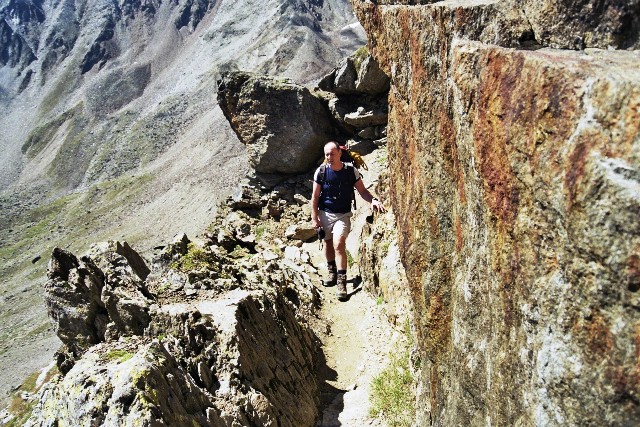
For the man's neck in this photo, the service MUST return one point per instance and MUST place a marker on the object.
(336, 166)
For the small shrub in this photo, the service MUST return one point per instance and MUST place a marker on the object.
(195, 259)
(379, 300)
(359, 56)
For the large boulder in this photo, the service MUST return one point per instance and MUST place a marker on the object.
(371, 78)
(283, 125)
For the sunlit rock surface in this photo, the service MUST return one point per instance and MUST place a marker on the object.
(515, 180)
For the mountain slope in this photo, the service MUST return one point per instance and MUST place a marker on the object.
(113, 130)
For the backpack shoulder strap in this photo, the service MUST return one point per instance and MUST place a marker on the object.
(322, 173)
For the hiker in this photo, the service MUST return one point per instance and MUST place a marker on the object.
(333, 185)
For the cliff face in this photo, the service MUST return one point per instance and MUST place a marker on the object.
(515, 180)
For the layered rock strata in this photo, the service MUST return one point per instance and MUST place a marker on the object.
(515, 180)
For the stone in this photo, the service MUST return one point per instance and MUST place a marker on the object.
(248, 197)
(568, 24)
(368, 132)
(300, 199)
(364, 118)
(73, 298)
(300, 232)
(283, 126)
(269, 255)
(371, 79)
(346, 75)
(361, 146)
(137, 263)
(327, 83)
(292, 253)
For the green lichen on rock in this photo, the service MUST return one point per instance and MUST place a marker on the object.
(119, 355)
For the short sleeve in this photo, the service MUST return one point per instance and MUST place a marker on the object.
(316, 176)
(356, 172)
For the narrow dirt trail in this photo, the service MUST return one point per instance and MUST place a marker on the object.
(358, 336)
(356, 348)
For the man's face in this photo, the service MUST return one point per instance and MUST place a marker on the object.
(331, 154)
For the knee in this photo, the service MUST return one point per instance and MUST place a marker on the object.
(340, 245)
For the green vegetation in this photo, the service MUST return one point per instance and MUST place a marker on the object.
(119, 355)
(382, 158)
(261, 230)
(43, 134)
(393, 390)
(380, 300)
(359, 56)
(350, 260)
(196, 258)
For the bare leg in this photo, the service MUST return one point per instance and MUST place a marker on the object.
(340, 250)
(329, 252)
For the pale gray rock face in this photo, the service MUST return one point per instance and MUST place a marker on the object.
(73, 298)
(214, 335)
(345, 77)
(92, 297)
(241, 358)
(371, 79)
(283, 126)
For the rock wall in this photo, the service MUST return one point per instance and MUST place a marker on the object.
(515, 180)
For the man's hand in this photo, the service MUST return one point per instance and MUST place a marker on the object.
(377, 206)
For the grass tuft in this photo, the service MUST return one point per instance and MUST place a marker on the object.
(195, 259)
(359, 56)
(393, 390)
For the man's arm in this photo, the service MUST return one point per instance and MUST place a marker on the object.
(376, 204)
(315, 199)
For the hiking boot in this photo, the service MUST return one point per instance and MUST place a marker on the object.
(332, 277)
(341, 291)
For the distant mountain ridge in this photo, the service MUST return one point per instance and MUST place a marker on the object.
(55, 55)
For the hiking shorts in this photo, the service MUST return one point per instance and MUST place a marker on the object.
(335, 224)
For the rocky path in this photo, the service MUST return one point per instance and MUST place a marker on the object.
(359, 336)
(356, 348)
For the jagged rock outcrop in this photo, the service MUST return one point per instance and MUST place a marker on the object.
(515, 181)
(242, 359)
(282, 124)
(356, 94)
(96, 297)
(212, 334)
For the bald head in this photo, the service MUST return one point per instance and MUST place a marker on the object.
(332, 153)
